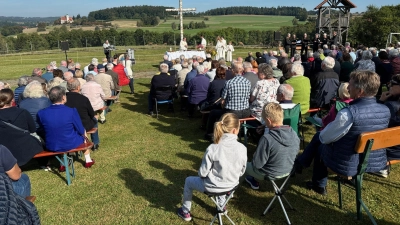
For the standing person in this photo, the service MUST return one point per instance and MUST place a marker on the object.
(203, 42)
(335, 39)
(224, 45)
(223, 164)
(287, 42)
(230, 49)
(324, 40)
(316, 42)
(106, 47)
(304, 44)
(129, 73)
(220, 49)
(293, 45)
(183, 45)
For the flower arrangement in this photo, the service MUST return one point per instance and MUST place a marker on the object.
(211, 51)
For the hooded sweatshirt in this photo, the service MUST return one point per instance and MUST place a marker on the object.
(223, 164)
(276, 151)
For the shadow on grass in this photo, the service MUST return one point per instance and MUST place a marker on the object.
(159, 195)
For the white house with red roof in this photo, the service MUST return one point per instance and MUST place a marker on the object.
(66, 19)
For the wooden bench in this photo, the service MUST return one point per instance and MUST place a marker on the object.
(66, 160)
(367, 142)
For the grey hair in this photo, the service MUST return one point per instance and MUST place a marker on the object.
(77, 65)
(266, 70)
(36, 71)
(310, 54)
(393, 53)
(110, 66)
(68, 75)
(22, 81)
(329, 62)
(95, 61)
(73, 84)
(185, 64)
(297, 57)
(89, 77)
(297, 69)
(56, 94)
(164, 68)
(247, 65)
(366, 55)
(316, 55)
(34, 90)
(273, 63)
(165, 57)
(205, 64)
(63, 63)
(195, 64)
(200, 69)
(286, 90)
(325, 46)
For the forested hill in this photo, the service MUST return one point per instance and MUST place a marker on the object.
(138, 12)
(128, 12)
(299, 13)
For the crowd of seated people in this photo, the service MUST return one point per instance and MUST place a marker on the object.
(52, 111)
(318, 79)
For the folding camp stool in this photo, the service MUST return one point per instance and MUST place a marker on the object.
(220, 209)
(279, 193)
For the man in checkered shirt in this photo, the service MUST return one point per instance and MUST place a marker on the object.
(235, 99)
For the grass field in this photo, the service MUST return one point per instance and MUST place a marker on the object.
(142, 163)
(147, 58)
(246, 22)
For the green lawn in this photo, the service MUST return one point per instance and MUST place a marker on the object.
(246, 22)
(142, 163)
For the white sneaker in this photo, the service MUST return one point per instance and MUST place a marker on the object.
(382, 173)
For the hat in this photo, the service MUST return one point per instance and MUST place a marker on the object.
(100, 66)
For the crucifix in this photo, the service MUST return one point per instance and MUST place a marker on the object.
(180, 11)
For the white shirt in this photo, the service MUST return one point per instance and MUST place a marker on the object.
(105, 45)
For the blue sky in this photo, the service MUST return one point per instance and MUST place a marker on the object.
(43, 8)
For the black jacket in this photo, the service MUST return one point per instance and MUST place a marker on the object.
(161, 80)
(84, 108)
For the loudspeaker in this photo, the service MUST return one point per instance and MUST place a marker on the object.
(277, 36)
(64, 46)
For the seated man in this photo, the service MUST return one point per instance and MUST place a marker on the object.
(82, 104)
(95, 94)
(161, 79)
(326, 83)
(234, 98)
(197, 89)
(276, 150)
(105, 80)
(62, 126)
(333, 147)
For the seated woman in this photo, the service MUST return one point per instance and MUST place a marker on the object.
(15, 127)
(223, 164)
(264, 91)
(344, 96)
(62, 125)
(8, 165)
(34, 99)
(215, 90)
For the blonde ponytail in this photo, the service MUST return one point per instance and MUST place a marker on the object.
(226, 124)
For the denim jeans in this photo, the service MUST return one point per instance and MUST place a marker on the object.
(195, 183)
(95, 136)
(131, 82)
(22, 187)
(310, 151)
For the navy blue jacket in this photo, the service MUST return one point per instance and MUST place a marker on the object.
(368, 115)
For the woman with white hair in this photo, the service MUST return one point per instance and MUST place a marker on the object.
(34, 99)
(301, 86)
(365, 62)
(22, 82)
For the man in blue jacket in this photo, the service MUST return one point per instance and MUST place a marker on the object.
(333, 147)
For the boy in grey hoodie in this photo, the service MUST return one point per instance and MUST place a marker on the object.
(276, 150)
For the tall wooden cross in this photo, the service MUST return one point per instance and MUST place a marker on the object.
(180, 11)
